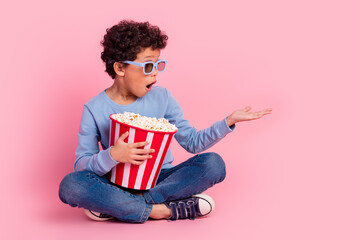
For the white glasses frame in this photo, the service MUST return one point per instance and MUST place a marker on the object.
(154, 65)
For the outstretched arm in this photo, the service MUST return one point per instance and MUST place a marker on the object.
(245, 115)
(189, 137)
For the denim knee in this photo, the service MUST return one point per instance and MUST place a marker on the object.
(71, 187)
(214, 166)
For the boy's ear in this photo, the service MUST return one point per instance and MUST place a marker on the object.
(119, 68)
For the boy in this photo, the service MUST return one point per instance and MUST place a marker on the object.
(131, 54)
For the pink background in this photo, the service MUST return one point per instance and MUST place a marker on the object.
(293, 174)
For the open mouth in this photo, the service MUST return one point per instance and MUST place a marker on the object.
(150, 85)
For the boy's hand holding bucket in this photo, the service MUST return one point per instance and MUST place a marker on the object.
(132, 153)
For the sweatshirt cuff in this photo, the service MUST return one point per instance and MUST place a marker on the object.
(226, 127)
(106, 161)
(223, 128)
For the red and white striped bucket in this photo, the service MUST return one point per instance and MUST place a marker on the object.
(144, 176)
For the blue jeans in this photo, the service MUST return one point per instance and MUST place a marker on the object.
(87, 190)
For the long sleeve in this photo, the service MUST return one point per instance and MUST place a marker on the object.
(187, 136)
(88, 155)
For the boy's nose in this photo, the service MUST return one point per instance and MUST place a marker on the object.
(154, 73)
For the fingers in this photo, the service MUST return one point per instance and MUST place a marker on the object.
(143, 151)
(137, 162)
(139, 144)
(266, 111)
(248, 108)
(263, 112)
(139, 159)
(134, 145)
(123, 136)
(257, 115)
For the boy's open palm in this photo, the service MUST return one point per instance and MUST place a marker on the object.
(130, 152)
(245, 115)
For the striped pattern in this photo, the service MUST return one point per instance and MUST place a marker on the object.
(144, 176)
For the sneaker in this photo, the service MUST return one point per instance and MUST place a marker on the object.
(195, 206)
(97, 216)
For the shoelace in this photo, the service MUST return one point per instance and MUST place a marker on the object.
(183, 209)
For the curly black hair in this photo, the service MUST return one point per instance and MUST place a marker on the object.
(126, 39)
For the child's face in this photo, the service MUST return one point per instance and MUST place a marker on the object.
(135, 81)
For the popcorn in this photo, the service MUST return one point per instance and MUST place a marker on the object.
(144, 122)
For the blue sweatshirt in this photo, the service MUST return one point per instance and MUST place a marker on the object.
(159, 103)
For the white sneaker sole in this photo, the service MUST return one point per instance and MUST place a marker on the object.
(206, 203)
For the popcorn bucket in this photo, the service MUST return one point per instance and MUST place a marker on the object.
(144, 176)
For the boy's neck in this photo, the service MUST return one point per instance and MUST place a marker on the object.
(120, 95)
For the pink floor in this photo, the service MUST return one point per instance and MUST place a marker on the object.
(259, 201)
